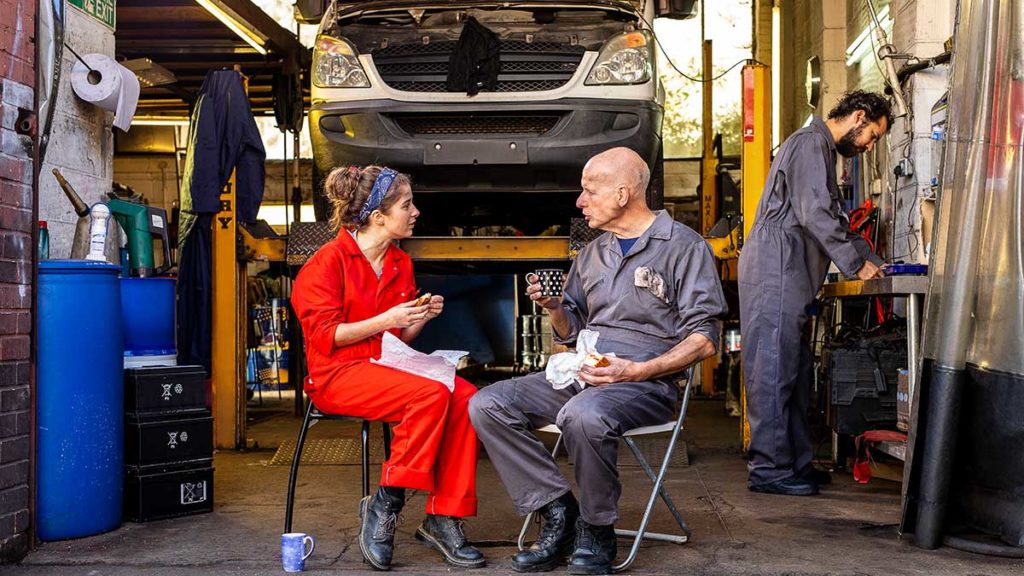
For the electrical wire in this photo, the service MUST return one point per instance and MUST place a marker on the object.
(683, 74)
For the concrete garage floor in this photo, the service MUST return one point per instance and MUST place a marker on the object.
(849, 530)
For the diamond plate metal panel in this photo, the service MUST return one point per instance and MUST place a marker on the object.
(580, 234)
(328, 452)
(304, 239)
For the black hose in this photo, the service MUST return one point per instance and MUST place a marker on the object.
(916, 67)
(986, 548)
(911, 69)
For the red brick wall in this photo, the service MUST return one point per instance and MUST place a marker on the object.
(17, 82)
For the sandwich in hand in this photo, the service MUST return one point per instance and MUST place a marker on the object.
(596, 361)
(424, 300)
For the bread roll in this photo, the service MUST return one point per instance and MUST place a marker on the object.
(596, 361)
(424, 300)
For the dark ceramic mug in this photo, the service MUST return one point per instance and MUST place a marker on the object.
(550, 280)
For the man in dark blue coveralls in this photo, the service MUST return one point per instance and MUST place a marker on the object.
(800, 227)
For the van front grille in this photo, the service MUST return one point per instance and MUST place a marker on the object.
(508, 124)
(525, 66)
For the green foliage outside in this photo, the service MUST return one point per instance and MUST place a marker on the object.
(682, 129)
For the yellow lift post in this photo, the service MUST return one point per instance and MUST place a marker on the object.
(755, 161)
(229, 313)
(708, 189)
(228, 326)
(755, 152)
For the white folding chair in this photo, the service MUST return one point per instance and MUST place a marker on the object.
(675, 427)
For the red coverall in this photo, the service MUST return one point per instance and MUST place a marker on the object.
(433, 447)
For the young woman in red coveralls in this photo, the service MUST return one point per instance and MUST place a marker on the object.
(347, 295)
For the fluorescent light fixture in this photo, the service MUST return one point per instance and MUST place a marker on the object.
(160, 121)
(776, 74)
(150, 73)
(810, 118)
(859, 48)
(236, 24)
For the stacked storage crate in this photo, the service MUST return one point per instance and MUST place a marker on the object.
(168, 443)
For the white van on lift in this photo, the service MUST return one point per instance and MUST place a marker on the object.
(574, 77)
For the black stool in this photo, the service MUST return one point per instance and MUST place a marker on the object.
(314, 415)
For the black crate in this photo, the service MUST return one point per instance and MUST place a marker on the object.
(168, 493)
(864, 382)
(163, 389)
(158, 443)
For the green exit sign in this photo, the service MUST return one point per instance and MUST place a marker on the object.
(102, 10)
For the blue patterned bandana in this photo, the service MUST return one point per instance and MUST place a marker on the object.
(380, 189)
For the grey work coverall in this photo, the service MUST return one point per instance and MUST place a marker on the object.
(800, 227)
(642, 304)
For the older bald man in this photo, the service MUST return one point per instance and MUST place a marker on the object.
(649, 286)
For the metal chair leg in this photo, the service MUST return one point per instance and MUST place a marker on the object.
(387, 440)
(293, 475)
(521, 542)
(366, 458)
(665, 497)
(657, 491)
(639, 534)
(254, 354)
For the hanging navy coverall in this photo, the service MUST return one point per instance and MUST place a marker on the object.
(800, 227)
(223, 137)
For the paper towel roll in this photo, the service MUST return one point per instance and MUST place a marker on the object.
(111, 86)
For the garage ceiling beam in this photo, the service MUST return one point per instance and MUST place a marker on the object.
(189, 41)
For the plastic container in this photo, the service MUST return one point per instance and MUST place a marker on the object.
(131, 362)
(80, 400)
(148, 316)
(44, 241)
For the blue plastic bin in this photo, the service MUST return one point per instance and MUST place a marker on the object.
(148, 316)
(80, 400)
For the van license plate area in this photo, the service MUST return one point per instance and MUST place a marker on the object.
(468, 153)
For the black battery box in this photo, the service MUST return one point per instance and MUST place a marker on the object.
(169, 492)
(164, 441)
(164, 389)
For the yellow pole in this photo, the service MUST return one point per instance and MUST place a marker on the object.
(755, 161)
(755, 153)
(709, 163)
(229, 314)
(708, 191)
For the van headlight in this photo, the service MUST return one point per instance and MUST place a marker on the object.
(336, 64)
(624, 59)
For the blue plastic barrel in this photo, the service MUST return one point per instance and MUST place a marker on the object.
(147, 315)
(80, 399)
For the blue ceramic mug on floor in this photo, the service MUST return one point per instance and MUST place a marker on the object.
(293, 551)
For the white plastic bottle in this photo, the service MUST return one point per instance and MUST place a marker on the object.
(100, 215)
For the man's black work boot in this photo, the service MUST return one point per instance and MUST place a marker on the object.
(379, 514)
(557, 535)
(595, 549)
(444, 534)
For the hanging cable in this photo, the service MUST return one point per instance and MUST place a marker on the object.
(683, 74)
(80, 59)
